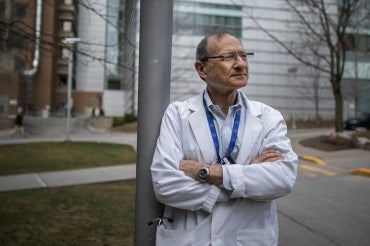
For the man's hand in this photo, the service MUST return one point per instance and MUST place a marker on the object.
(191, 168)
(267, 156)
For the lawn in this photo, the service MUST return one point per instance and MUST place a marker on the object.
(99, 214)
(96, 214)
(54, 156)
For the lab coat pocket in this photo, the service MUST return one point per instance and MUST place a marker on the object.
(167, 237)
(254, 237)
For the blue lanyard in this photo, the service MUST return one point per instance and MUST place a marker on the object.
(234, 133)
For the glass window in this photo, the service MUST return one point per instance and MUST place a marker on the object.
(62, 81)
(67, 26)
(114, 84)
(357, 42)
(65, 53)
(21, 10)
(198, 19)
(113, 39)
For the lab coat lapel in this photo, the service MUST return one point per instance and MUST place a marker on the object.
(252, 129)
(199, 126)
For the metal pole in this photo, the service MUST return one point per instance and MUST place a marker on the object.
(294, 126)
(291, 73)
(154, 94)
(71, 41)
(69, 92)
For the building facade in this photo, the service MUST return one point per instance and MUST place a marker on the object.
(276, 78)
(105, 60)
(36, 59)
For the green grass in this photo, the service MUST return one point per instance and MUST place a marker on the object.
(55, 156)
(96, 214)
(99, 214)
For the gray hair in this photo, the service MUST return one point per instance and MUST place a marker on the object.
(202, 51)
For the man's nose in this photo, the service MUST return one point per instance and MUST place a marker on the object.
(240, 62)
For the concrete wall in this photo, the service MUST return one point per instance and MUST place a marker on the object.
(91, 29)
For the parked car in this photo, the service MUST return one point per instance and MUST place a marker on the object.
(362, 121)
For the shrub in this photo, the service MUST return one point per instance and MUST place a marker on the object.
(128, 118)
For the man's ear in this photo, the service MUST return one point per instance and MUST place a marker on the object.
(200, 67)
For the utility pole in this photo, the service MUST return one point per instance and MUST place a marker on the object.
(154, 96)
(292, 75)
(71, 41)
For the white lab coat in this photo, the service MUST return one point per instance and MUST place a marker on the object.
(205, 214)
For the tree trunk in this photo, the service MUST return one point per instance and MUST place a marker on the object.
(338, 105)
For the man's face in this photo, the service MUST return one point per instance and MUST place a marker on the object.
(224, 76)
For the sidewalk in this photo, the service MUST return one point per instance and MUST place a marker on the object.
(54, 130)
(66, 178)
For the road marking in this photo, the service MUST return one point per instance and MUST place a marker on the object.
(361, 171)
(313, 159)
(316, 169)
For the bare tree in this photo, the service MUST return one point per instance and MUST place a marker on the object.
(11, 30)
(18, 36)
(323, 23)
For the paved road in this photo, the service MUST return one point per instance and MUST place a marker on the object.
(54, 129)
(329, 206)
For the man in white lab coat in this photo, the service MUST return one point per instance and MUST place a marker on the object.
(221, 160)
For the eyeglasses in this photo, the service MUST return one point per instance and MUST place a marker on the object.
(231, 56)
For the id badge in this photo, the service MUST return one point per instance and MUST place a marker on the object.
(227, 161)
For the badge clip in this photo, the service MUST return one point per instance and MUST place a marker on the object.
(227, 161)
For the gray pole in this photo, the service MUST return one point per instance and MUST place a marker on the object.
(72, 42)
(69, 92)
(292, 73)
(154, 93)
